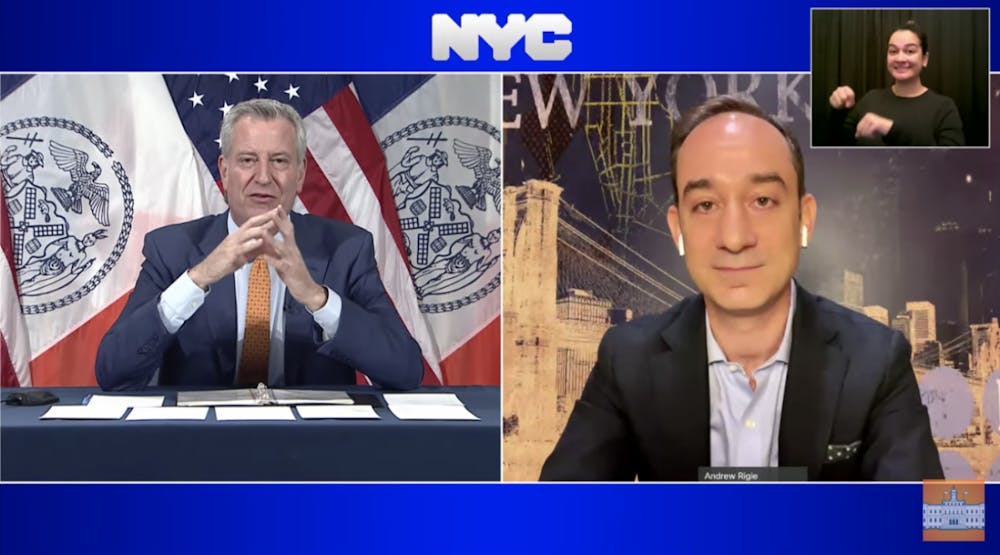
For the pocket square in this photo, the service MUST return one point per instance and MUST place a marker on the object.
(841, 452)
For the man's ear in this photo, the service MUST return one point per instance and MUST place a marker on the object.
(223, 170)
(301, 177)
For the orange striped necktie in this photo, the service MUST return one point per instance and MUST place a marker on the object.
(257, 329)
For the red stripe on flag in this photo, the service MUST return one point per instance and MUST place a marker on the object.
(70, 362)
(477, 361)
(349, 118)
(320, 198)
(318, 195)
(429, 377)
(8, 377)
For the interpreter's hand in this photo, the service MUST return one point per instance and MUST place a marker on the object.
(234, 251)
(873, 125)
(842, 98)
(284, 256)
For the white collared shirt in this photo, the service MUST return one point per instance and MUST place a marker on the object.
(744, 424)
(183, 298)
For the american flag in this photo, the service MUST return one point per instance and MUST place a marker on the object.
(414, 159)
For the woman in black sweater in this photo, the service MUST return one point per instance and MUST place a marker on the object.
(905, 114)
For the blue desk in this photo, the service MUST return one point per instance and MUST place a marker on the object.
(302, 450)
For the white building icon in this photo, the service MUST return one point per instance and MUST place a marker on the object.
(953, 513)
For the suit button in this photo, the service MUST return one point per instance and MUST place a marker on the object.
(147, 347)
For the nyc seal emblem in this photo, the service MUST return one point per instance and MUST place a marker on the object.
(69, 205)
(445, 179)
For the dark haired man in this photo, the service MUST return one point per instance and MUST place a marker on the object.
(755, 371)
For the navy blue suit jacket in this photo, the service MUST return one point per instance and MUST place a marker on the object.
(644, 411)
(370, 337)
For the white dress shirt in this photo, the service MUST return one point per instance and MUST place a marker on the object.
(744, 424)
(183, 298)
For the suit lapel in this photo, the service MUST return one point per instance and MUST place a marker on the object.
(680, 393)
(298, 321)
(812, 388)
(315, 254)
(220, 303)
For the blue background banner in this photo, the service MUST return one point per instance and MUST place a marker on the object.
(320, 35)
(512, 518)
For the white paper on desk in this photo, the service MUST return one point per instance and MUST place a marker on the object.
(336, 411)
(431, 412)
(125, 401)
(437, 399)
(168, 413)
(254, 413)
(84, 412)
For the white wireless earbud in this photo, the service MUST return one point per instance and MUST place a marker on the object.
(805, 236)
(680, 244)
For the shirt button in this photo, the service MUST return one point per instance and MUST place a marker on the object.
(750, 423)
(734, 368)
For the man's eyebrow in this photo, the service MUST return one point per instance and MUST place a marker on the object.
(768, 177)
(696, 184)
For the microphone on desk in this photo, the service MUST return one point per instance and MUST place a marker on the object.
(31, 398)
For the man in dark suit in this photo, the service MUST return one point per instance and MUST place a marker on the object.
(258, 294)
(755, 371)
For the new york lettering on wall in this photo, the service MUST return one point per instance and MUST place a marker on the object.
(789, 102)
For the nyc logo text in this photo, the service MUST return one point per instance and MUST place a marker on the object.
(538, 31)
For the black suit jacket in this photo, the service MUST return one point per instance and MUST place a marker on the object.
(644, 411)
